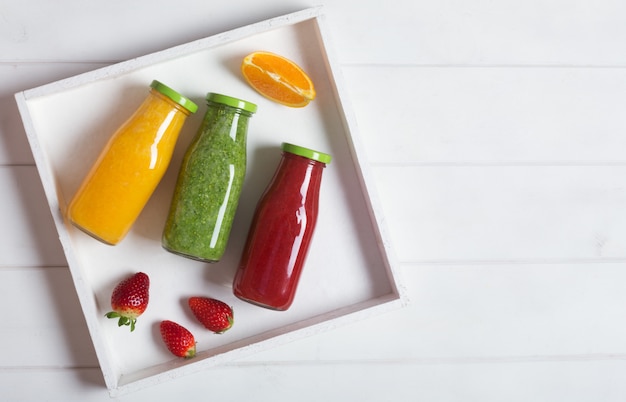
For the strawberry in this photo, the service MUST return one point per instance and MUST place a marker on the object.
(214, 314)
(130, 299)
(178, 339)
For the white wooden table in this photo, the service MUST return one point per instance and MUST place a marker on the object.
(496, 134)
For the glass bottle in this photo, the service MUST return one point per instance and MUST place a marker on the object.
(281, 230)
(130, 166)
(209, 182)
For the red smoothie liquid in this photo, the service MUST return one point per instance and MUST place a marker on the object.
(280, 234)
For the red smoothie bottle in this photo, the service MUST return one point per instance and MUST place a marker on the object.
(281, 230)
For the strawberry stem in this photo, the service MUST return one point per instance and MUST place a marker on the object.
(122, 320)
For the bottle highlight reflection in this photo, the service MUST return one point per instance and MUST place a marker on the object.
(210, 181)
(281, 230)
(130, 166)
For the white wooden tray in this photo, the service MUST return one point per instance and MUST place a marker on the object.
(350, 272)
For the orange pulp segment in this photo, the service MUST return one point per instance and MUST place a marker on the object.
(278, 79)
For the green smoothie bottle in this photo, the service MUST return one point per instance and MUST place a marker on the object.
(209, 182)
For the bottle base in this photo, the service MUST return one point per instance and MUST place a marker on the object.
(264, 305)
(190, 256)
(93, 235)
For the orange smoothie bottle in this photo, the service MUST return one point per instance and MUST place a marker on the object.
(130, 166)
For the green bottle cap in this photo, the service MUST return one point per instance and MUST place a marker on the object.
(175, 96)
(230, 101)
(306, 152)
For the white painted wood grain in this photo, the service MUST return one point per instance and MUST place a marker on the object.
(43, 325)
(28, 236)
(459, 314)
(427, 115)
(460, 32)
(117, 30)
(505, 213)
(456, 115)
(15, 77)
(496, 313)
(514, 382)
(505, 118)
(560, 32)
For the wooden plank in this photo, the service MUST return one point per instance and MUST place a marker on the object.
(430, 115)
(485, 313)
(460, 32)
(504, 213)
(29, 237)
(451, 32)
(455, 115)
(14, 148)
(87, 34)
(512, 382)
(458, 315)
(43, 324)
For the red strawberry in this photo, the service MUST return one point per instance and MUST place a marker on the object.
(130, 299)
(215, 315)
(178, 339)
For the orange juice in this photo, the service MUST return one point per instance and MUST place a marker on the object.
(130, 166)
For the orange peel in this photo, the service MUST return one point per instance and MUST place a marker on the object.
(278, 78)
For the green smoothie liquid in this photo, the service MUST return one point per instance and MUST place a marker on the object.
(209, 184)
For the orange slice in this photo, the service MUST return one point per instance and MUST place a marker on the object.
(278, 79)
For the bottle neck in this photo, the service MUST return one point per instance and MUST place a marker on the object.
(302, 173)
(169, 101)
(298, 160)
(229, 109)
(227, 121)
